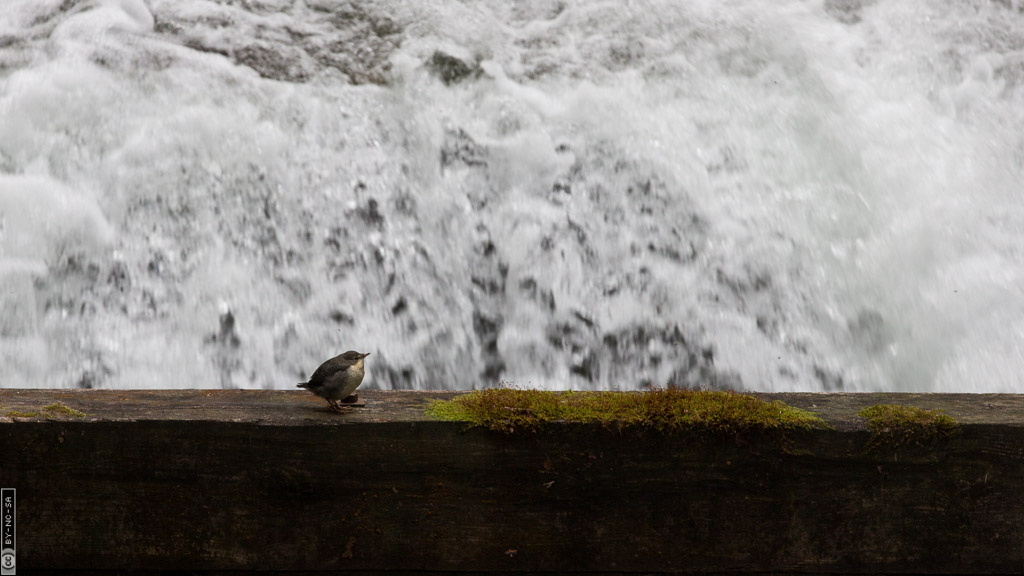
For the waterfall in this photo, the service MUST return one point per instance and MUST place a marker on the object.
(769, 195)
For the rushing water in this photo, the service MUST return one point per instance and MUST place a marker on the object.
(760, 194)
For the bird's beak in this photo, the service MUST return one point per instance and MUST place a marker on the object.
(365, 355)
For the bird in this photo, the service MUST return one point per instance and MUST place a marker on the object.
(337, 378)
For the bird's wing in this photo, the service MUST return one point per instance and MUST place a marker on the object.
(332, 366)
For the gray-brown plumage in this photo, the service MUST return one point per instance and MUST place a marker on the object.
(337, 379)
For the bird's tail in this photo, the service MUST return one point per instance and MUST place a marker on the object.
(301, 384)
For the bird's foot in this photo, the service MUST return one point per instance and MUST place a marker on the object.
(335, 407)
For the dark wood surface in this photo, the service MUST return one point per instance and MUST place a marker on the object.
(290, 407)
(200, 481)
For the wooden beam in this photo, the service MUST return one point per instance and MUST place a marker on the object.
(205, 481)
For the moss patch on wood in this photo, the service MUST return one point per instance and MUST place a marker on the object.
(49, 411)
(64, 409)
(894, 425)
(673, 410)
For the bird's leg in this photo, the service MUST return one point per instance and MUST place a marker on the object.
(335, 407)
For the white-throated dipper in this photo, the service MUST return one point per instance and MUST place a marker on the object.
(337, 379)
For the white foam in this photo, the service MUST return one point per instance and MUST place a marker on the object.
(43, 219)
(96, 17)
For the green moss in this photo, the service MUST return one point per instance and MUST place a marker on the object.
(508, 410)
(896, 425)
(58, 408)
(51, 410)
